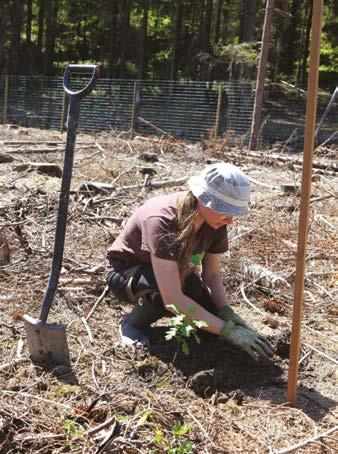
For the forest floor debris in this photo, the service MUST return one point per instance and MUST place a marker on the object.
(113, 400)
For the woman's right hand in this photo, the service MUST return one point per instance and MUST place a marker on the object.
(227, 313)
(246, 339)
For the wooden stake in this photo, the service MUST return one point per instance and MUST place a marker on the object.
(218, 113)
(263, 60)
(134, 110)
(310, 123)
(5, 113)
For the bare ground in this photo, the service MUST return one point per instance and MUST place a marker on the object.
(215, 400)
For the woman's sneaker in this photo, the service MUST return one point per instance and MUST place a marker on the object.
(132, 336)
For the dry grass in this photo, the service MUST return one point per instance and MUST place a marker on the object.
(214, 401)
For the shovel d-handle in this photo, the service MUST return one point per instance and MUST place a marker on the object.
(80, 69)
(72, 122)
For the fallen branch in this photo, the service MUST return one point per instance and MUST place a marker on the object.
(13, 363)
(103, 294)
(332, 136)
(83, 320)
(156, 128)
(110, 435)
(321, 353)
(307, 441)
(246, 299)
(203, 430)
(106, 218)
(326, 111)
(40, 437)
(293, 86)
(31, 396)
(151, 185)
(261, 183)
(322, 197)
(273, 158)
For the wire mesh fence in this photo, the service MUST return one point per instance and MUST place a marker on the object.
(185, 109)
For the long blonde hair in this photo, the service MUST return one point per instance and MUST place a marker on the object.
(186, 239)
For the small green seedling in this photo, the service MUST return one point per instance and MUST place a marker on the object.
(182, 328)
(181, 446)
(180, 429)
(145, 416)
(177, 445)
(72, 429)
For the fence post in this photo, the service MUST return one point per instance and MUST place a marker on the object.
(218, 113)
(5, 110)
(64, 110)
(134, 110)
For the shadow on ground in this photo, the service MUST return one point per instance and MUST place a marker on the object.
(213, 366)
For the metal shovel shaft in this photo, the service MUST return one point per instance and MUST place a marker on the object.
(72, 122)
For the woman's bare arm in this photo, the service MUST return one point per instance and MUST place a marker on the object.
(168, 280)
(212, 278)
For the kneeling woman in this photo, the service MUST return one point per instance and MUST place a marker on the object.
(150, 263)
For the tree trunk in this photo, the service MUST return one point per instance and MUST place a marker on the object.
(206, 37)
(217, 33)
(51, 22)
(218, 20)
(302, 72)
(28, 21)
(143, 37)
(277, 39)
(16, 24)
(263, 59)
(125, 34)
(291, 39)
(3, 56)
(28, 52)
(176, 39)
(113, 10)
(247, 12)
(41, 20)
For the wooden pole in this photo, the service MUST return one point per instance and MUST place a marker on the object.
(263, 59)
(134, 110)
(218, 113)
(310, 123)
(5, 112)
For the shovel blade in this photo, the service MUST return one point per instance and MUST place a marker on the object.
(47, 342)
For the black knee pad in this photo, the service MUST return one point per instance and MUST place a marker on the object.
(117, 283)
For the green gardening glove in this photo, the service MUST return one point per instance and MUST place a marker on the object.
(227, 313)
(246, 339)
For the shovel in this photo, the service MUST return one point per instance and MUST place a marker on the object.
(47, 342)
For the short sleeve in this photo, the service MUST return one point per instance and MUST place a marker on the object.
(158, 237)
(220, 242)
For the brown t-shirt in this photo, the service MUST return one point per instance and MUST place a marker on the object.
(152, 229)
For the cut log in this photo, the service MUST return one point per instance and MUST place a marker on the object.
(46, 168)
(5, 158)
(4, 251)
(291, 189)
(263, 276)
